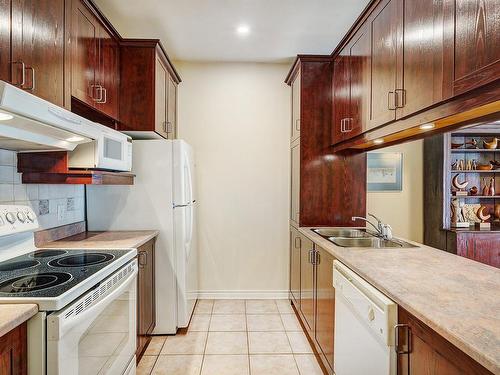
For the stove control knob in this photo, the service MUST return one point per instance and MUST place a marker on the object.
(11, 218)
(21, 216)
(31, 216)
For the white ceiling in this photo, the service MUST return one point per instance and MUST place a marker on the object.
(205, 30)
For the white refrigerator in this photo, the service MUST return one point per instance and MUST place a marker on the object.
(163, 198)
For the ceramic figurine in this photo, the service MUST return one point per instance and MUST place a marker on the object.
(454, 166)
(491, 189)
(492, 144)
(459, 186)
(456, 145)
(468, 166)
(474, 164)
(497, 212)
(472, 143)
(473, 190)
(482, 215)
(485, 187)
(457, 215)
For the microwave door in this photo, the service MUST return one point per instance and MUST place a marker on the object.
(97, 332)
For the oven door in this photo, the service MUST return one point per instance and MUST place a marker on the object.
(114, 152)
(96, 334)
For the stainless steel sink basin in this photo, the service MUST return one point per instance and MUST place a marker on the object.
(373, 242)
(341, 232)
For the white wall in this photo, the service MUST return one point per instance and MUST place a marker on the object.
(44, 199)
(237, 117)
(403, 210)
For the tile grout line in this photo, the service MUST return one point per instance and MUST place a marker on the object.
(291, 348)
(206, 340)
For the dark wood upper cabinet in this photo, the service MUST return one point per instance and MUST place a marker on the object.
(423, 57)
(107, 75)
(5, 31)
(148, 95)
(37, 60)
(84, 45)
(385, 26)
(146, 308)
(341, 95)
(94, 60)
(477, 43)
(295, 126)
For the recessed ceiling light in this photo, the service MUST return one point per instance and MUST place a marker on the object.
(427, 126)
(75, 139)
(378, 141)
(5, 116)
(243, 30)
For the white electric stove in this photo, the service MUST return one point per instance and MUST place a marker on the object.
(86, 298)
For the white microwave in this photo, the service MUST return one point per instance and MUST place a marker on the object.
(112, 150)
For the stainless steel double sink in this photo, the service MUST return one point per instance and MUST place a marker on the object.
(348, 237)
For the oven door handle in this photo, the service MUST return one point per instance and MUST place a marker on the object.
(58, 325)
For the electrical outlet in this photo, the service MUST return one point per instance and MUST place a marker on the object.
(61, 212)
(70, 204)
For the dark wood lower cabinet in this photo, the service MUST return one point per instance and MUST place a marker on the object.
(325, 304)
(14, 351)
(314, 300)
(429, 353)
(146, 308)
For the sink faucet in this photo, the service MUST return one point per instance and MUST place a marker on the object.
(384, 230)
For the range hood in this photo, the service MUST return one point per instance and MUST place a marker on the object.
(28, 123)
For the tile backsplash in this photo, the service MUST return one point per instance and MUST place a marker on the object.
(55, 205)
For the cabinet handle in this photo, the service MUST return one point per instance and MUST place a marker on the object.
(311, 252)
(393, 107)
(317, 258)
(300, 242)
(397, 327)
(104, 101)
(348, 121)
(23, 74)
(32, 78)
(397, 93)
(342, 130)
(99, 90)
(142, 259)
(297, 124)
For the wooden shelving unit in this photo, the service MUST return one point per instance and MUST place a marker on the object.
(438, 193)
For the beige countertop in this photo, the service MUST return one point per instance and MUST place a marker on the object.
(12, 315)
(456, 297)
(105, 240)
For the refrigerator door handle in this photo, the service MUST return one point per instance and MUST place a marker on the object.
(181, 205)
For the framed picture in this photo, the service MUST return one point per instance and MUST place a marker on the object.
(385, 171)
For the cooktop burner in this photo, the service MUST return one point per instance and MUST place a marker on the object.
(47, 253)
(51, 272)
(79, 260)
(19, 265)
(28, 283)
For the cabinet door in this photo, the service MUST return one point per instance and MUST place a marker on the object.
(341, 95)
(431, 354)
(477, 43)
(307, 275)
(161, 98)
(107, 78)
(37, 45)
(146, 310)
(14, 352)
(385, 27)
(487, 250)
(422, 56)
(5, 31)
(325, 303)
(359, 83)
(296, 107)
(295, 188)
(295, 245)
(171, 108)
(84, 54)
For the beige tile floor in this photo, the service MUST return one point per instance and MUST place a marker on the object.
(234, 337)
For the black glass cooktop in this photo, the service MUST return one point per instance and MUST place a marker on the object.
(49, 273)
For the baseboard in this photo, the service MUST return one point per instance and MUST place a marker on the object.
(243, 294)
